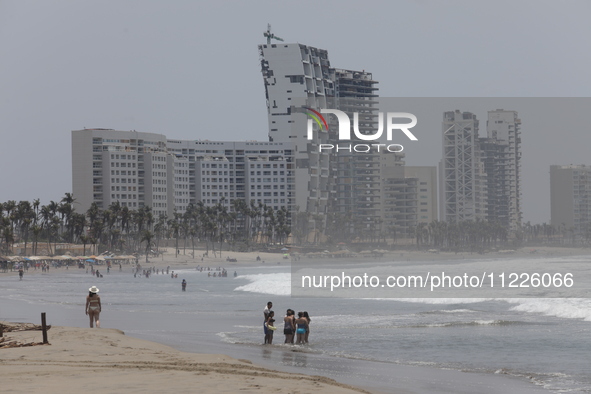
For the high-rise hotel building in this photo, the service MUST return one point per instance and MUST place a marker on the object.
(347, 183)
(570, 198)
(146, 169)
(480, 176)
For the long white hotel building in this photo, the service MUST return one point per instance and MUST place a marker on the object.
(146, 169)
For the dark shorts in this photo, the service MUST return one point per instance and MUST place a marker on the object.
(287, 331)
(265, 329)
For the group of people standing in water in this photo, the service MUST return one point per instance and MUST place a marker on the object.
(295, 329)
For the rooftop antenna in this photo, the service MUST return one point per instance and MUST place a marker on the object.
(270, 35)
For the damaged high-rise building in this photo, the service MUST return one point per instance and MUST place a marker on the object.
(346, 183)
(480, 176)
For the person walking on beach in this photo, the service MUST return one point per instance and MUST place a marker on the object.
(301, 326)
(266, 317)
(93, 306)
(288, 326)
(20, 274)
(184, 285)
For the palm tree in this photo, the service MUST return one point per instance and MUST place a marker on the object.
(175, 229)
(36, 230)
(160, 230)
(9, 208)
(147, 236)
(8, 237)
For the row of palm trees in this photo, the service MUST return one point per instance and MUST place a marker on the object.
(484, 235)
(240, 225)
(31, 222)
(466, 235)
(119, 228)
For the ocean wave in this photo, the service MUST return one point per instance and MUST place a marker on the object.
(275, 284)
(434, 312)
(436, 301)
(467, 323)
(568, 308)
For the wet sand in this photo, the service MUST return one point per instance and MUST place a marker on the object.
(107, 361)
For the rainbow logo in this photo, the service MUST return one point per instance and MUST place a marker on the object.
(317, 117)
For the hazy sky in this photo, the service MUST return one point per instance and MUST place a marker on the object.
(190, 70)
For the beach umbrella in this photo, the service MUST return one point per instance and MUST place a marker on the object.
(90, 260)
(284, 249)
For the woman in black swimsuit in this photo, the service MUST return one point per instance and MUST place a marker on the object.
(288, 326)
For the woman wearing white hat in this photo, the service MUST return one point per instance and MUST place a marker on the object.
(93, 306)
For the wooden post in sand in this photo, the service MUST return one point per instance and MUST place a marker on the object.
(44, 327)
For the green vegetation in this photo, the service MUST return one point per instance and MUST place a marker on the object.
(121, 229)
(244, 227)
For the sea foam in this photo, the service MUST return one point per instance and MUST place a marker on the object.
(275, 284)
(569, 308)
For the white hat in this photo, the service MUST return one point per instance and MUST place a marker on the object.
(93, 289)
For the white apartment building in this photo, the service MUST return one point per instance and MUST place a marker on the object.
(145, 169)
(110, 166)
(570, 198)
(426, 191)
(257, 171)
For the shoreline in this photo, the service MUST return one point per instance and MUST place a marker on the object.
(249, 259)
(409, 378)
(110, 361)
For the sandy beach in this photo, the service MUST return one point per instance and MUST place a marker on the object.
(108, 361)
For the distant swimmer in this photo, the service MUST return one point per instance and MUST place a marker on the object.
(184, 285)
